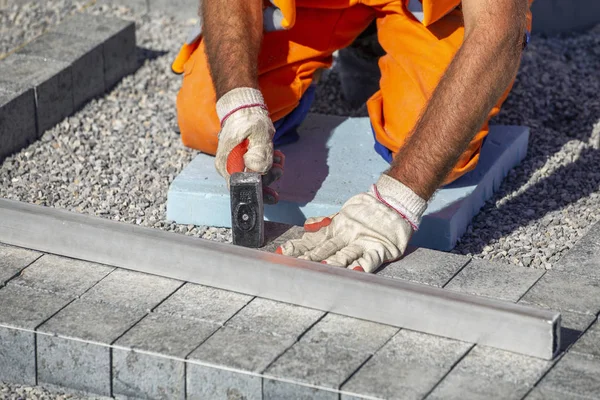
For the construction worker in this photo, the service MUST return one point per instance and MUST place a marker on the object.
(248, 81)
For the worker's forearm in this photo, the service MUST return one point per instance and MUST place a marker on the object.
(232, 37)
(475, 80)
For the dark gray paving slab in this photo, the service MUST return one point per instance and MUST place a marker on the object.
(132, 289)
(589, 342)
(426, 266)
(565, 292)
(316, 364)
(116, 36)
(461, 387)
(544, 394)
(274, 390)
(17, 356)
(496, 280)
(13, 260)
(204, 303)
(91, 321)
(229, 348)
(83, 54)
(574, 373)
(276, 318)
(572, 327)
(26, 308)
(584, 257)
(65, 276)
(52, 81)
(349, 333)
(81, 366)
(17, 120)
(407, 367)
(146, 376)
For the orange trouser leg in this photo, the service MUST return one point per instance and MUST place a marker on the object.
(287, 62)
(415, 61)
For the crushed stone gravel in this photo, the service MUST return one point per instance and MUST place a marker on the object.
(22, 392)
(117, 156)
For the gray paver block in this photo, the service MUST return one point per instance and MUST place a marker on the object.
(17, 356)
(230, 348)
(167, 335)
(280, 319)
(350, 333)
(52, 81)
(26, 308)
(95, 322)
(317, 364)
(219, 384)
(65, 276)
(545, 394)
(460, 387)
(566, 292)
(584, 257)
(572, 326)
(589, 342)
(203, 302)
(407, 367)
(116, 36)
(74, 364)
(83, 54)
(131, 289)
(426, 266)
(140, 375)
(14, 259)
(275, 390)
(500, 281)
(574, 373)
(17, 121)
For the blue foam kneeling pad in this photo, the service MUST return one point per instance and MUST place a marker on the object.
(334, 160)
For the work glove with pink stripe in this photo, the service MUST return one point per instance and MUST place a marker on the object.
(371, 229)
(246, 139)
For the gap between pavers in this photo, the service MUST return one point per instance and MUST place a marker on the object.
(335, 160)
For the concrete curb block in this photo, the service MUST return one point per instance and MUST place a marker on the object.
(60, 71)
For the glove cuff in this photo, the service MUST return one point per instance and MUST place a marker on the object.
(401, 198)
(239, 99)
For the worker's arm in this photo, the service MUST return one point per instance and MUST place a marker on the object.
(233, 33)
(480, 72)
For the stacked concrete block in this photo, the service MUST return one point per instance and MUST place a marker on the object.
(17, 120)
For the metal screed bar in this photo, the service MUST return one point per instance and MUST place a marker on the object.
(507, 326)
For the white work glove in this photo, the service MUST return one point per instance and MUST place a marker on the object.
(371, 229)
(246, 138)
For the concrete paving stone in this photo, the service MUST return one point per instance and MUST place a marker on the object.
(496, 280)
(572, 327)
(317, 364)
(78, 365)
(167, 335)
(17, 121)
(275, 390)
(116, 36)
(147, 376)
(220, 384)
(132, 289)
(17, 356)
(26, 308)
(276, 318)
(90, 321)
(83, 54)
(407, 367)
(574, 373)
(461, 387)
(62, 275)
(350, 333)
(584, 257)
(544, 394)
(421, 265)
(204, 303)
(13, 260)
(589, 342)
(232, 349)
(565, 292)
(52, 81)
(182, 9)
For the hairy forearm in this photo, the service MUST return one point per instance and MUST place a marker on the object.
(475, 80)
(232, 37)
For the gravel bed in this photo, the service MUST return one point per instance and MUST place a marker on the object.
(117, 156)
(22, 392)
